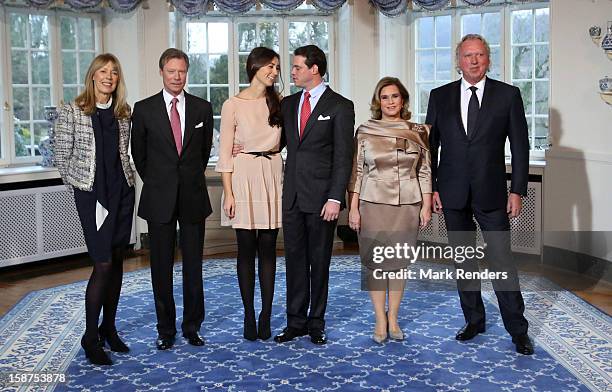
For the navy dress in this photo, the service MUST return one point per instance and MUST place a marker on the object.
(110, 189)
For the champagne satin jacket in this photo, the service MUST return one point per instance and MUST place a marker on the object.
(392, 162)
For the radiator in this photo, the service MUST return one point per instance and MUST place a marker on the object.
(525, 230)
(38, 224)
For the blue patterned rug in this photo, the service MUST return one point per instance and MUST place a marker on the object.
(573, 342)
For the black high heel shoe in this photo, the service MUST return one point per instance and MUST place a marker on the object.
(263, 328)
(95, 353)
(250, 328)
(114, 341)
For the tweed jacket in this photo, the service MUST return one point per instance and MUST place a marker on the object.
(392, 163)
(75, 148)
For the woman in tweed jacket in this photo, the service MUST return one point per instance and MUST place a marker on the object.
(91, 153)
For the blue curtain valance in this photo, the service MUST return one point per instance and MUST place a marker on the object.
(195, 8)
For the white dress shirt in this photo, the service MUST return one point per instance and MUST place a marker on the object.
(315, 95)
(466, 94)
(180, 106)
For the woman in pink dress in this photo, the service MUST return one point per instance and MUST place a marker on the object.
(252, 183)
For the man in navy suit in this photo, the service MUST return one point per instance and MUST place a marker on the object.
(318, 131)
(470, 120)
(171, 142)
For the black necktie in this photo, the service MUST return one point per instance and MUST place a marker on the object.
(473, 109)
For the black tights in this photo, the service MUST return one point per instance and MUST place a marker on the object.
(263, 244)
(103, 291)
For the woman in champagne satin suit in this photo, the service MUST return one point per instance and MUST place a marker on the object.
(390, 197)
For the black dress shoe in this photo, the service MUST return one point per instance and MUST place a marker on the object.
(95, 353)
(194, 339)
(114, 341)
(468, 331)
(263, 328)
(164, 342)
(523, 344)
(318, 337)
(289, 334)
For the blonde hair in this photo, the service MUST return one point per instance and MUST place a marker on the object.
(375, 104)
(86, 101)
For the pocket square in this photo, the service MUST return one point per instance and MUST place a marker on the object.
(200, 125)
(322, 118)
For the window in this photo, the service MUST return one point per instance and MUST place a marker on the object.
(218, 48)
(518, 37)
(78, 50)
(40, 75)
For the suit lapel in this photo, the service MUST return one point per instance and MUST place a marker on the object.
(189, 122)
(292, 131)
(314, 115)
(484, 105)
(456, 100)
(164, 122)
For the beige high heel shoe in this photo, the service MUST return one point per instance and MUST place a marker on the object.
(380, 339)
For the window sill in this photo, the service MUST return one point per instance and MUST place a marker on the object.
(27, 173)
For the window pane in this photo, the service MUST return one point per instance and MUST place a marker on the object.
(491, 27)
(522, 31)
(496, 59)
(70, 93)
(526, 88)
(198, 69)
(85, 59)
(41, 97)
(21, 103)
(68, 32)
(18, 30)
(297, 35)
(470, 24)
(522, 59)
(199, 92)
(86, 34)
(320, 36)
(425, 33)
(19, 66)
(443, 31)
(242, 74)
(40, 31)
(218, 95)
(69, 68)
(22, 139)
(41, 130)
(268, 35)
(196, 38)
(424, 90)
(218, 69)
(246, 37)
(425, 62)
(541, 61)
(541, 25)
(40, 68)
(217, 38)
(443, 65)
(541, 98)
(541, 133)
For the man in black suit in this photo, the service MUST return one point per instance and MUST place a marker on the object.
(171, 142)
(318, 130)
(470, 120)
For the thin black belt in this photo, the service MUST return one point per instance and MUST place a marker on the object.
(265, 154)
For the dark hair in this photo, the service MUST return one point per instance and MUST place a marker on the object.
(313, 55)
(172, 53)
(375, 104)
(258, 58)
